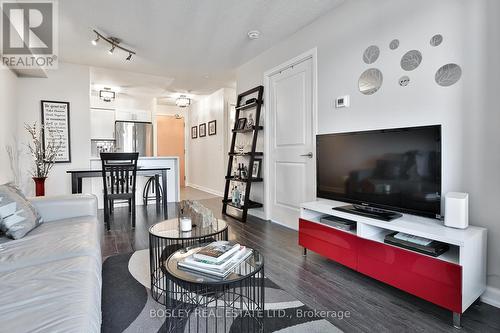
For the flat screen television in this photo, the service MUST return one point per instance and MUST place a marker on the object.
(394, 169)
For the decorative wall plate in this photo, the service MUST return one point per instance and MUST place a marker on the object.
(371, 54)
(370, 81)
(394, 44)
(411, 60)
(436, 40)
(448, 75)
(404, 81)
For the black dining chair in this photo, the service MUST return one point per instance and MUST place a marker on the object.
(119, 172)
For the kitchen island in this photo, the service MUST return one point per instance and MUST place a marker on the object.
(95, 186)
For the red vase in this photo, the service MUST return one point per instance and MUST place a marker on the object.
(39, 186)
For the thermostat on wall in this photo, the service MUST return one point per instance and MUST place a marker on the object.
(342, 102)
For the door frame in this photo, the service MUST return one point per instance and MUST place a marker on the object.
(186, 138)
(310, 54)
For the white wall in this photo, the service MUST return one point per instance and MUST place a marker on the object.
(170, 110)
(70, 83)
(468, 111)
(206, 156)
(8, 121)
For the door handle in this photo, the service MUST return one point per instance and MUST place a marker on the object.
(310, 155)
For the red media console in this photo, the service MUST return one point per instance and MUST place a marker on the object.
(453, 280)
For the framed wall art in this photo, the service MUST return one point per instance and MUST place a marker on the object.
(256, 168)
(212, 127)
(242, 122)
(203, 130)
(56, 127)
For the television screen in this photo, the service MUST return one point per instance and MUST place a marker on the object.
(395, 169)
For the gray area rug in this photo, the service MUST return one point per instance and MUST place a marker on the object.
(127, 305)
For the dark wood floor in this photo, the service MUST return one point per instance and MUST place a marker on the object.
(317, 282)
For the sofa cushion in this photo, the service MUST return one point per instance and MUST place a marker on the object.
(53, 241)
(65, 206)
(18, 216)
(59, 296)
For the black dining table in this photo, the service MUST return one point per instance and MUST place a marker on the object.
(78, 174)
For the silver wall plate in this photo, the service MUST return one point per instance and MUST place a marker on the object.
(394, 44)
(371, 54)
(411, 60)
(448, 75)
(404, 81)
(436, 40)
(370, 81)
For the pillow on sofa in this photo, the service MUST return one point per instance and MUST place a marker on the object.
(17, 215)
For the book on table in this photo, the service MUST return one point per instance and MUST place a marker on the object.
(216, 252)
(220, 269)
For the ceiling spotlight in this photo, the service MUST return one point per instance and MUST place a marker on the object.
(182, 101)
(114, 43)
(253, 34)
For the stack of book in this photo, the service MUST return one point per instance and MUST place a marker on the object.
(217, 259)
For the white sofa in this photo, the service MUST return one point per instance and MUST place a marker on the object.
(50, 280)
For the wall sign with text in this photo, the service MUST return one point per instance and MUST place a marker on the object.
(55, 122)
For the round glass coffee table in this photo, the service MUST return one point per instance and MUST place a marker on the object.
(201, 303)
(166, 237)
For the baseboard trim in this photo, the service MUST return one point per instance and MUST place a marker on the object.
(491, 296)
(284, 225)
(205, 189)
(257, 213)
(261, 214)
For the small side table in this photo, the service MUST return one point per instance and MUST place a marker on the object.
(200, 303)
(165, 238)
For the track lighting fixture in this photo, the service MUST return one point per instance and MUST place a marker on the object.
(113, 42)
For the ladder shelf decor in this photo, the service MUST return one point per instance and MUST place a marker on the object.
(240, 202)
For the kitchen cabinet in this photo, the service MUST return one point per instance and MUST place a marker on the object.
(102, 124)
(133, 115)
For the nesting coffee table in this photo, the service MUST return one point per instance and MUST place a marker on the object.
(200, 303)
(165, 238)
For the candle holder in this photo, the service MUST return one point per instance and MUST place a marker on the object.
(186, 224)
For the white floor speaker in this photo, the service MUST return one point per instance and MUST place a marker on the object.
(456, 207)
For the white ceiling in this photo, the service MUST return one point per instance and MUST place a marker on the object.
(136, 85)
(195, 44)
(129, 82)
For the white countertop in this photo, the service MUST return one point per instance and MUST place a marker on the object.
(146, 158)
(173, 175)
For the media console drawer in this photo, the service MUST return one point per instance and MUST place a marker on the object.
(334, 244)
(432, 279)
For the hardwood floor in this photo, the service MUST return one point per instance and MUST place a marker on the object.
(317, 282)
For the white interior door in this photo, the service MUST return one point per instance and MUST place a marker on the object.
(292, 155)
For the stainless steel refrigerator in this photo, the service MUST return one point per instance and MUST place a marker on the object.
(133, 136)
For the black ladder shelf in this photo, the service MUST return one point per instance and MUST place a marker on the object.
(230, 178)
